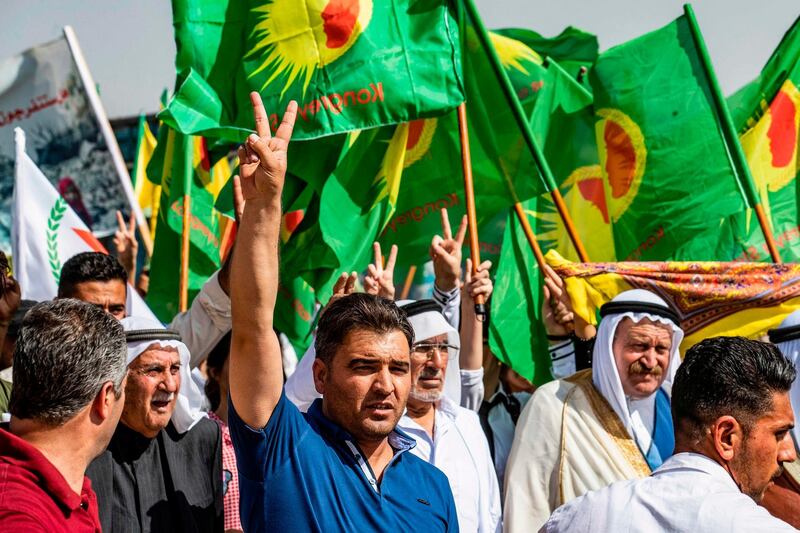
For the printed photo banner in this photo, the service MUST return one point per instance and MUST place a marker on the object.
(41, 92)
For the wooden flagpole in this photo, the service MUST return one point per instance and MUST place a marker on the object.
(736, 154)
(469, 196)
(188, 171)
(528, 230)
(412, 270)
(519, 116)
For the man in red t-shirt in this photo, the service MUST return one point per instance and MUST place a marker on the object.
(69, 382)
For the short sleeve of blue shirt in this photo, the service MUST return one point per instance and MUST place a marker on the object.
(297, 474)
(261, 452)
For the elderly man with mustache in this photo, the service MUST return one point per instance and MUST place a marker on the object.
(603, 424)
(162, 470)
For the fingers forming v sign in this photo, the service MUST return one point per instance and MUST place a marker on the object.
(380, 279)
(125, 242)
(262, 160)
(445, 253)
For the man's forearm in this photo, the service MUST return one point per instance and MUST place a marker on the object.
(256, 375)
(471, 357)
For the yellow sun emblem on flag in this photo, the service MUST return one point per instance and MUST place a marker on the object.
(513, 53)
(297, 37)
(585, 200)
(623, 158)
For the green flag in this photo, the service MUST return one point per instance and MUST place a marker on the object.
(349, 64)
(563, 123)
(767, 115)
(574, 49)
(175, 155)
(516, 331)
(353, 206)
(503, 170)
(668, 179)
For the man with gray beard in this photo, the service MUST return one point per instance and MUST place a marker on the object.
(450, 436)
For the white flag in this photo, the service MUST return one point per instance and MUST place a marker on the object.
(46, 232)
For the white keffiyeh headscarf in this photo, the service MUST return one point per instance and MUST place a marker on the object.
(189, 403)
(787, 338)
(427, 321)
(636, 415)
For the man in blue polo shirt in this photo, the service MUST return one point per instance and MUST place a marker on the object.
(342, 466)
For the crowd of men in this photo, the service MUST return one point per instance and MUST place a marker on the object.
(386, 423)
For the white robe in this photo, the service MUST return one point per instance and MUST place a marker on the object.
(688, 493)
(459, 449)
(568, 441)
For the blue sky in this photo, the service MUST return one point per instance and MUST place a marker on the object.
(130, 49)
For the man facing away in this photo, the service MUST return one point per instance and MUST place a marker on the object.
(732, 417)
(600, 425)
(69, 382)
(343, 465)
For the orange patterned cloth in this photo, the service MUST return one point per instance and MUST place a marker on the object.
(711, 298)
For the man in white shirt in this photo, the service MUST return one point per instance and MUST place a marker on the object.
(732, 417)
(449, 436)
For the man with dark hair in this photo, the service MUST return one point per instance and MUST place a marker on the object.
(91, 277)
(782, 499)
(69, 378)
(100, 279)
(343, 465)
(732, 417)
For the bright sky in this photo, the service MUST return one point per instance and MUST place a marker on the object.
(130, 49)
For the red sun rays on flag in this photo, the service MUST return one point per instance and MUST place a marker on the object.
(771, 143)
(623, 157)
(782, 130)
(294, 38)
(420, 136)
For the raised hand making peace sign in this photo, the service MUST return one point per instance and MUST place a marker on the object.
(445, 253)
(380, 279)
(262, 159)
(126, 245)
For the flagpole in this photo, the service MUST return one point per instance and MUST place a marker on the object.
(188, 171)
(412, 270)
(108, 135)
(538, 158)
(736, 154)
(469, 196)
(528, 230)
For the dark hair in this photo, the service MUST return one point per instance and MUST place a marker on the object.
(65, 352)
(727, 376)
(89, 266)
(216, 360)
(358, 311)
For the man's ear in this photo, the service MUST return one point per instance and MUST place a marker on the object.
(103, 403)
(320, 372)
(727, 435)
